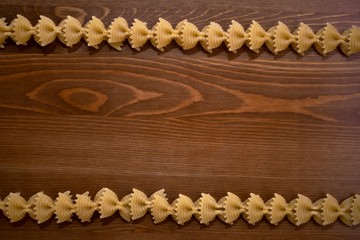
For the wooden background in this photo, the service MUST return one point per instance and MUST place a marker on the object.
(80, 119)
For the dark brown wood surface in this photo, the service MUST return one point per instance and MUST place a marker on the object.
(80, 119)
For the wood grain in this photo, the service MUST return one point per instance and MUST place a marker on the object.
(79, 119)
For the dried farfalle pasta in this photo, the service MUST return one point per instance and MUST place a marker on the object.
(214, 35)
(108, 203)
(280, 38)
(160, 208)
(64, 207)
(22, 30)
(163, 34)
(189, 35)
(139, 204)
(304, 210)
(95, 32)
(184, 208)
(232, 206)
(186, 34)
(255, 209)
(207, 209)
(351, 45)
(139, 34)
(16, 207)
(84, 207)
(135, 205)
(235, 36)
(304, 38)
(257, 36)
(329, 39)
(277, 209)
(71, 30)
(118, 32)
(44, 207)
(46, 31)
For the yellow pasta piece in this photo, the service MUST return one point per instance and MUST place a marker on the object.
(280, 38)
(278, 209)
(160, 209)
(5, 32)
(46, 31)
(189, 35)
(108, 203)
(22, 30)
(304, 210)
(118, 32)
(44, 207)
(232, 206)
(351, 45)
(208, 209)
(139, 204)
(139, 34)
(214, 36)
(64, 207)
(329, 39)
(184, 208)
(85, 207)
(16, 207)
(95, 32)
(236, 36)
(304, 39)
(255, 209)
(72, 31)
(257, 36)
(163, 34)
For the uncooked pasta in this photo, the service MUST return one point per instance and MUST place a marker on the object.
(205, 209)
(277, 38)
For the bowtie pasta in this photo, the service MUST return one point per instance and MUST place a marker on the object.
(278, 38)
(135, 205)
